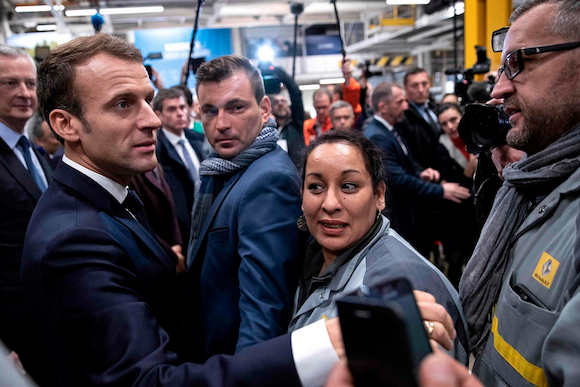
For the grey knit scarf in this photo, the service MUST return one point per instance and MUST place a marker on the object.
(483, 276)
(214, 166)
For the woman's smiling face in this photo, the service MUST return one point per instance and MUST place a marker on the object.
(339, 199)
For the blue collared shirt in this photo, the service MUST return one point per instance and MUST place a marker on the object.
(11, 137)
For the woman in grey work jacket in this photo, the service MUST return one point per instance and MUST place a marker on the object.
(352, 243)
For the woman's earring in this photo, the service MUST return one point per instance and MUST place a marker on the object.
(301, 223)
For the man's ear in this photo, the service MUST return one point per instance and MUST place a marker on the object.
(266, 107)
(158, 113)
(65, 125)
(380, 106)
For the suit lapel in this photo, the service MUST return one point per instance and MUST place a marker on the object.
(196, 143)
(419, 116)
(171, 152)
(108, 204)
(428, 125)
(19, 172)
(393, 139)
(139, 231)
(213, 212)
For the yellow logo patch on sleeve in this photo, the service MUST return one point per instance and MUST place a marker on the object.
(546, 270)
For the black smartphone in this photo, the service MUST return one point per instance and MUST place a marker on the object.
(149, 72)
(384, 335)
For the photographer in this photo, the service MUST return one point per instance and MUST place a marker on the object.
(289, 119)
(520, 288)
(523, 275)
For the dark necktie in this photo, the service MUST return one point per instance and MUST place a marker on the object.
(25, 147)
(430, 119)
(135, 206)
(400, 141)
(190, 166)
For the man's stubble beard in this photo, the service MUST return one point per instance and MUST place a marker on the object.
(547, 121)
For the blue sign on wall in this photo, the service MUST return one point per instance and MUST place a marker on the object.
(322, 44)
(174, 43)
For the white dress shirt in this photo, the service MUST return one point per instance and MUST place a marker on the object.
(115, 189)
(174, 140)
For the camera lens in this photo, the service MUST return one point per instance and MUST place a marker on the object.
(483, 127)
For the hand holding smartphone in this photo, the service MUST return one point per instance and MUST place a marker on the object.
(384, 336)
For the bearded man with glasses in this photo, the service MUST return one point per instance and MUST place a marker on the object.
(521, 288)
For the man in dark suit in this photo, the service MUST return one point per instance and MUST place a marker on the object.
(419, 128)
(24, 175)
(406, 185)
(179, 151)
(244, 245)
(421, 131)
(104, 289)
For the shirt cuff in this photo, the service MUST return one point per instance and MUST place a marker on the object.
(313, 353)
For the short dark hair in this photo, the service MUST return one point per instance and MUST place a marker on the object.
(225, 67)
(372, 155)
(323, 91)
(447, 106)
(56, 75)
(413, 71)
(186, 93)
(382, 93)
(566, 23)
(166, 94)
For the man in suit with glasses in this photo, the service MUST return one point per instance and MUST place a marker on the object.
(24, 176)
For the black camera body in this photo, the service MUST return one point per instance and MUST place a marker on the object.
(483, 127)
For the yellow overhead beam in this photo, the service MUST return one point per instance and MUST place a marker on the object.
(474, 26)
(481, 18)
(500, 11)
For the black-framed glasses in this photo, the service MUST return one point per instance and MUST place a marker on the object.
(513, 63)
(497, 38)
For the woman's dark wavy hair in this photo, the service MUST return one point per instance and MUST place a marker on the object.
(372, 155)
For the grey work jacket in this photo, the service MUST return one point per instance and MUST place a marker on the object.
(535, 335)
(387, 256)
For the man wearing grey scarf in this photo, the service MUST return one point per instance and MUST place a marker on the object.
(521, 288)
(244, 244)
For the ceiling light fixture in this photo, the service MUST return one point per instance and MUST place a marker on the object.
(80, 12)
(126, 10)
(407, 2)
(331, 81)
(32, 8)
(114, 11)
(46, 27)
(309, 87)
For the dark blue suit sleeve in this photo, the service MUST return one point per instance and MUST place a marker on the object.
(107, 327)
(408, 183)
(269, 248)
